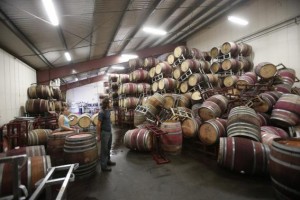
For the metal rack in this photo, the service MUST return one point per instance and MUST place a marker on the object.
(157, 153)
(48, 181)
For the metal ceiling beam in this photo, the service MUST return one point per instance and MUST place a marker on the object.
(187, 24)
(82, 82)
(209, 19)
(111, 40)
(141, 22)
(5, 19)
(181, 16)
(167, 15)
(45, 76)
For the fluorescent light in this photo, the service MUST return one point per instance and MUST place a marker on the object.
(117, 67)
(68, 56)
(49, 7)
(129, 56)
(76, 79)
(154, 31)
(238, 20)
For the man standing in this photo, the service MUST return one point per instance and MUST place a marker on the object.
(104, 135)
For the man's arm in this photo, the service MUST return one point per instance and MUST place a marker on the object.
(98, 130)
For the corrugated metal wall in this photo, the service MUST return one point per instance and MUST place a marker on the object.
(15, 78)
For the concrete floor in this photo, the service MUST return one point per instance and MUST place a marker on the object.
(189, 176)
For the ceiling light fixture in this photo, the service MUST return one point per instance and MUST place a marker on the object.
(117, 67)
(68, 56)
(49, 7)
(154, 31)
(238, 20)
(127, 57)
(76, 79)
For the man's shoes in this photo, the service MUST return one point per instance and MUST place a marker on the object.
(110, 163)
(107, 169)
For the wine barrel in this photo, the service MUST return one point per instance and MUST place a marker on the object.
(139, 140)
(215, 52)
(190, 127)
(167, 84)
(243, 156)
(243, 122)
(138, 118)
(43, 91)
(284, 118)
(171, 59)
(265, 104)
(287, 75)
(196, 53)
(81, 148)
(154, 86)
(196, 97)
(177, 73)
(55, 146)
(275, 131)
(191, 64)
(140, 75)
(184, 100)
(31, 92)
(219, 99)
(73, 119)
(215, 67)
(246, 81)
(212, 130)
(289, 102)
(163, 67)
(31, 172)
(181, 51)
(244, 49)
(267, 138)
(263, 118)
(155, 102)
(184, 87)
(150, 62)
(38, 137)
(209, 110)
(129, 88)
(130, 102)
(57, 94)
(169, 101)
(143, 88)
(94, 119)
(152, 72)
(230, 81)
(197, 78)
(283, 88)
(245, 64)
(172, 141)
(265, 70)
(230, 47)
(135, 63)
(123, 78)
(231, 64)
(213, 79)
(284, 167)
(84, 121)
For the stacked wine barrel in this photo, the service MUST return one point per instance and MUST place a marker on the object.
(43, 98)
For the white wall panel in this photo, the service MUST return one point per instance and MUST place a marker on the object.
(15, 78)
(279, 46)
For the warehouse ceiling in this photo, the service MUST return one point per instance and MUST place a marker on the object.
(94, 30)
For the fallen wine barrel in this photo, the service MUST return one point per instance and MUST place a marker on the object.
(32, 171)
(38, 137)
(284, 118)
(139, 139)
(212, 130)
(275, 130)
(169, 101)
(81, 148)
(284, 167)
(243, 155)
(190, 127)
(209, 110)
(289, 102)
(267, 138)
(246, 81)
(265, 70)
(172, 141)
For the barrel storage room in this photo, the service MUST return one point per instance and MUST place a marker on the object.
(150, 99)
